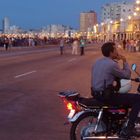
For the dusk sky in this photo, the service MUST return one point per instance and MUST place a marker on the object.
(39, 13)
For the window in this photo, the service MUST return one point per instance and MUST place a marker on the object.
(123, 10)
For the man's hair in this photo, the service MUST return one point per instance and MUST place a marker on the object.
(107, 48)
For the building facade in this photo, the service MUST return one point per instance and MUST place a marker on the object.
(116, 11)
(136, 20)
(6, 25)
(119, 20)
(87, 21)
(58, 30)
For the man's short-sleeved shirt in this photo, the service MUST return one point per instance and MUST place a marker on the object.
(105, 71)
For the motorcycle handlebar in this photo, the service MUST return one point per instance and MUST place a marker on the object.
(135, 79)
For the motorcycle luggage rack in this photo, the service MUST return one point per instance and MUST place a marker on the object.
(69, 95)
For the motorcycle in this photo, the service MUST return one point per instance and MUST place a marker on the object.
(92, 120)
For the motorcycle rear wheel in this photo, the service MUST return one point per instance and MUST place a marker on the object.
(84, 122)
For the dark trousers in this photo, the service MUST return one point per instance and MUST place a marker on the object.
(61, 50)
(6, 46)
(82, 50)
(128, 100)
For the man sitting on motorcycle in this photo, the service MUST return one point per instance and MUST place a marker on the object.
(104, 72)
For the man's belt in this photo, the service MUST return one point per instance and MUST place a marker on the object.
(98, 93)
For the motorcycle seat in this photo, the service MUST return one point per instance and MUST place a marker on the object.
(92, 103)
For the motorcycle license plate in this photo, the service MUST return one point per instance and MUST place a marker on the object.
(71, 114)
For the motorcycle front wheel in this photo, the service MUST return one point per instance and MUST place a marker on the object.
(84, 126)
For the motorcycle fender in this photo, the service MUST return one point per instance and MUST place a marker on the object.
(77, 115)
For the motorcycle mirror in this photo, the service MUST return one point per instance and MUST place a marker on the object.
(134, 67)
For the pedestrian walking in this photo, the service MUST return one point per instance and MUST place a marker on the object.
(75, 46)
(138, 46)
(61, 46)
(124, 44)
(82, 46)
(133, 44)
(6, 43)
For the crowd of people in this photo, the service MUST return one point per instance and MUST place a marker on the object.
(130, 45)
(77, 45)
(16, 41)
(21, 41)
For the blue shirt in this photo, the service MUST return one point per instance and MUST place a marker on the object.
(106, 69)
(82, 43)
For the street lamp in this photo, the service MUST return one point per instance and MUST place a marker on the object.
(137, 1)
(129, 17)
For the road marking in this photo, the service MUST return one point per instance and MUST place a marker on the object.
(73, 59)
(24, 74)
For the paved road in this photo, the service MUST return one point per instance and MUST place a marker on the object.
(29, 84)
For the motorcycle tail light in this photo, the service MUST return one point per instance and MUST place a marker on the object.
(70, 106)
(122, 111)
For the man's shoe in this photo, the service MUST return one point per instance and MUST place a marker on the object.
(134, 132)
(125, 133)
